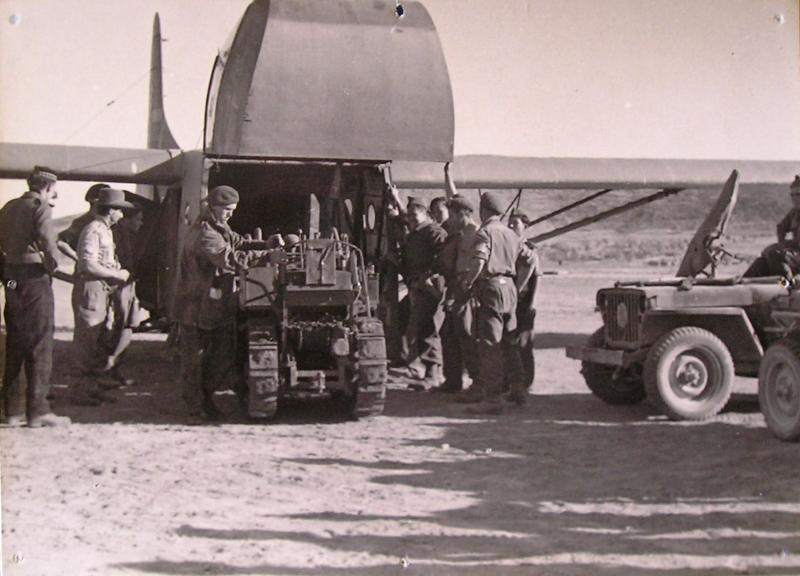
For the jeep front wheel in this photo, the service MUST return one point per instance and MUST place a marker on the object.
(688, 374)
(779, 389)
(612, 384)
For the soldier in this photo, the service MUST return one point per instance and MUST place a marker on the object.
(791, 222)
(526, 308)
(97, 275)
(783, 257)
(497, 250)
(206, 302)
(28, 244)
(458, 344)
(425, 292)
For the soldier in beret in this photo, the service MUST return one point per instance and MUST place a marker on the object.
(458, 344)
(97, 275)
(425, 292)
(495, 278)
(28, 244)
(206, 302)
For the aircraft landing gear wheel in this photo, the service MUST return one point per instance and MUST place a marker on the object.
(688, 374)
(612, 384)
(779, 389)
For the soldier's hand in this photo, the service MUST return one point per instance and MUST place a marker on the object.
(123, 275)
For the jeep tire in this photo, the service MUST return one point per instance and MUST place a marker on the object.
(688, 374)
(611, 384)
(779, 388)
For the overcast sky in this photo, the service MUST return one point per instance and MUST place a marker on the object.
(607, 78)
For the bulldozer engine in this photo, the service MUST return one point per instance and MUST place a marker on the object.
(308, 312)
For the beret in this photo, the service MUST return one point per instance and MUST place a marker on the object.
(222, 196)
(460, 203)
(492, 202)
(42, 173)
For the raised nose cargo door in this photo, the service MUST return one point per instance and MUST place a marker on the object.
(334, 80)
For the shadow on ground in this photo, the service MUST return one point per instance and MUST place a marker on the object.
(566, 485)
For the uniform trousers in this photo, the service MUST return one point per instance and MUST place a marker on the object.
(425, 320)
(524, 340)
(498, 359)
(29, 320)
(458, 345)
(208, 360)
(94, 319)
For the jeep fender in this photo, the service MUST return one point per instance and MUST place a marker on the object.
(731, 325)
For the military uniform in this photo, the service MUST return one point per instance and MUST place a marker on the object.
(206, 306)
(28, 242)
(499, 247)
(458, 344)
(421, 248)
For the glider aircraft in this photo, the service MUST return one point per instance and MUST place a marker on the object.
(313, 143)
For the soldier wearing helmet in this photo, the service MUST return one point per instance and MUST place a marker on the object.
(495, 277)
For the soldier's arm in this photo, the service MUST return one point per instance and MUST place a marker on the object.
(526, 266)
(67, 250)
(438, 237)
(480, 254)
(46, 237)
(65, 241)
(226, 257)
(394, 196)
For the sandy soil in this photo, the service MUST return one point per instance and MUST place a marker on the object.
(565, 485)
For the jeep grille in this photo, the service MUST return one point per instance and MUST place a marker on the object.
(622, 316)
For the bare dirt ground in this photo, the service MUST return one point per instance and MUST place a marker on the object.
(565, 485)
